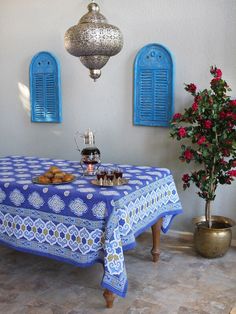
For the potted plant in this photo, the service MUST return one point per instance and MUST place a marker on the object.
(209, 126)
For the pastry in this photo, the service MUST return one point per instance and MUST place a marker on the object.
(44, 180)
(54, 169)
(68, 177)
(48, 174)
(59, 175)
(56, 180)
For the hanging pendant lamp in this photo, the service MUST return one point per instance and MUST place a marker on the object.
(93, 40)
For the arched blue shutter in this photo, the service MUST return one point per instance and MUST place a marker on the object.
(153, 86)
(45, 88)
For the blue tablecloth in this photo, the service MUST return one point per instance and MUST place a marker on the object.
(81, 223)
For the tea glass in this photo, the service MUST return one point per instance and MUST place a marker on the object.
(110, 176)
(101, 176)
(118, 173)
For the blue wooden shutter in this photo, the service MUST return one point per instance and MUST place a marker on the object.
(45, 88)
(153, 86)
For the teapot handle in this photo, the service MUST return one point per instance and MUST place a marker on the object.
(76, 143)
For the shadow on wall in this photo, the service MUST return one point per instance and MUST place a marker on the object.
(24, 95)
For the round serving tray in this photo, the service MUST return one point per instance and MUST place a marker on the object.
(36, 181)
(123, 181)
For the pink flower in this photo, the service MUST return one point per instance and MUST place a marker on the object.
(229, 115)
(182, 132)
(232, 173)
(177, 116)
(186, 178)
(215, 80)
(195, 106)
(223, 162)
(188, 155)
(234, 163)
(207, 124)
(198, 98)
(218, 73)
(222, 115)
(191, 88)
(201, 140)
(225, 152)
(233, 102)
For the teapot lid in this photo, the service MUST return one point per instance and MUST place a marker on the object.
(89, 137)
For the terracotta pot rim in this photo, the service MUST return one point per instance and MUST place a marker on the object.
(198, 220)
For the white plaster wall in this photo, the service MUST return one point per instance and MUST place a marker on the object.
(198, 32)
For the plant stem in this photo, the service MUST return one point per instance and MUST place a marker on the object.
(208, 213)
(212, 190)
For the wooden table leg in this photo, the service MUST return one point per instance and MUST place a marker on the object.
(109, 297)
(156, 232)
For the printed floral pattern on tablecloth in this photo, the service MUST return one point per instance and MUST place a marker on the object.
(78, 207)
(56, 203)
(99, 210)
(16, 197)
(35, 200)
(2, 195)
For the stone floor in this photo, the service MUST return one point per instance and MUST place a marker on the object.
(181, 283)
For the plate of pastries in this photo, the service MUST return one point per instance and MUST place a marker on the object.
(54, 175)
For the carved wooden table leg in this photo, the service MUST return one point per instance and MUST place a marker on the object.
(109, 297)
(156, 232)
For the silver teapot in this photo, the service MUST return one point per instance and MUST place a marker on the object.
(90, 154)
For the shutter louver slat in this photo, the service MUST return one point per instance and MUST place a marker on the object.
(146, 99)
(153, 86)
(39, 102)
(51, 97)
(161, 94)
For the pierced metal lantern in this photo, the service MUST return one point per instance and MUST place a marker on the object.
(90, 154)
(93, 40)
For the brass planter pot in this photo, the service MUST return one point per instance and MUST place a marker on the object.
(213, 242)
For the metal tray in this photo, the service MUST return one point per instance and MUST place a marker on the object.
(35, 181)
(123, 181)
